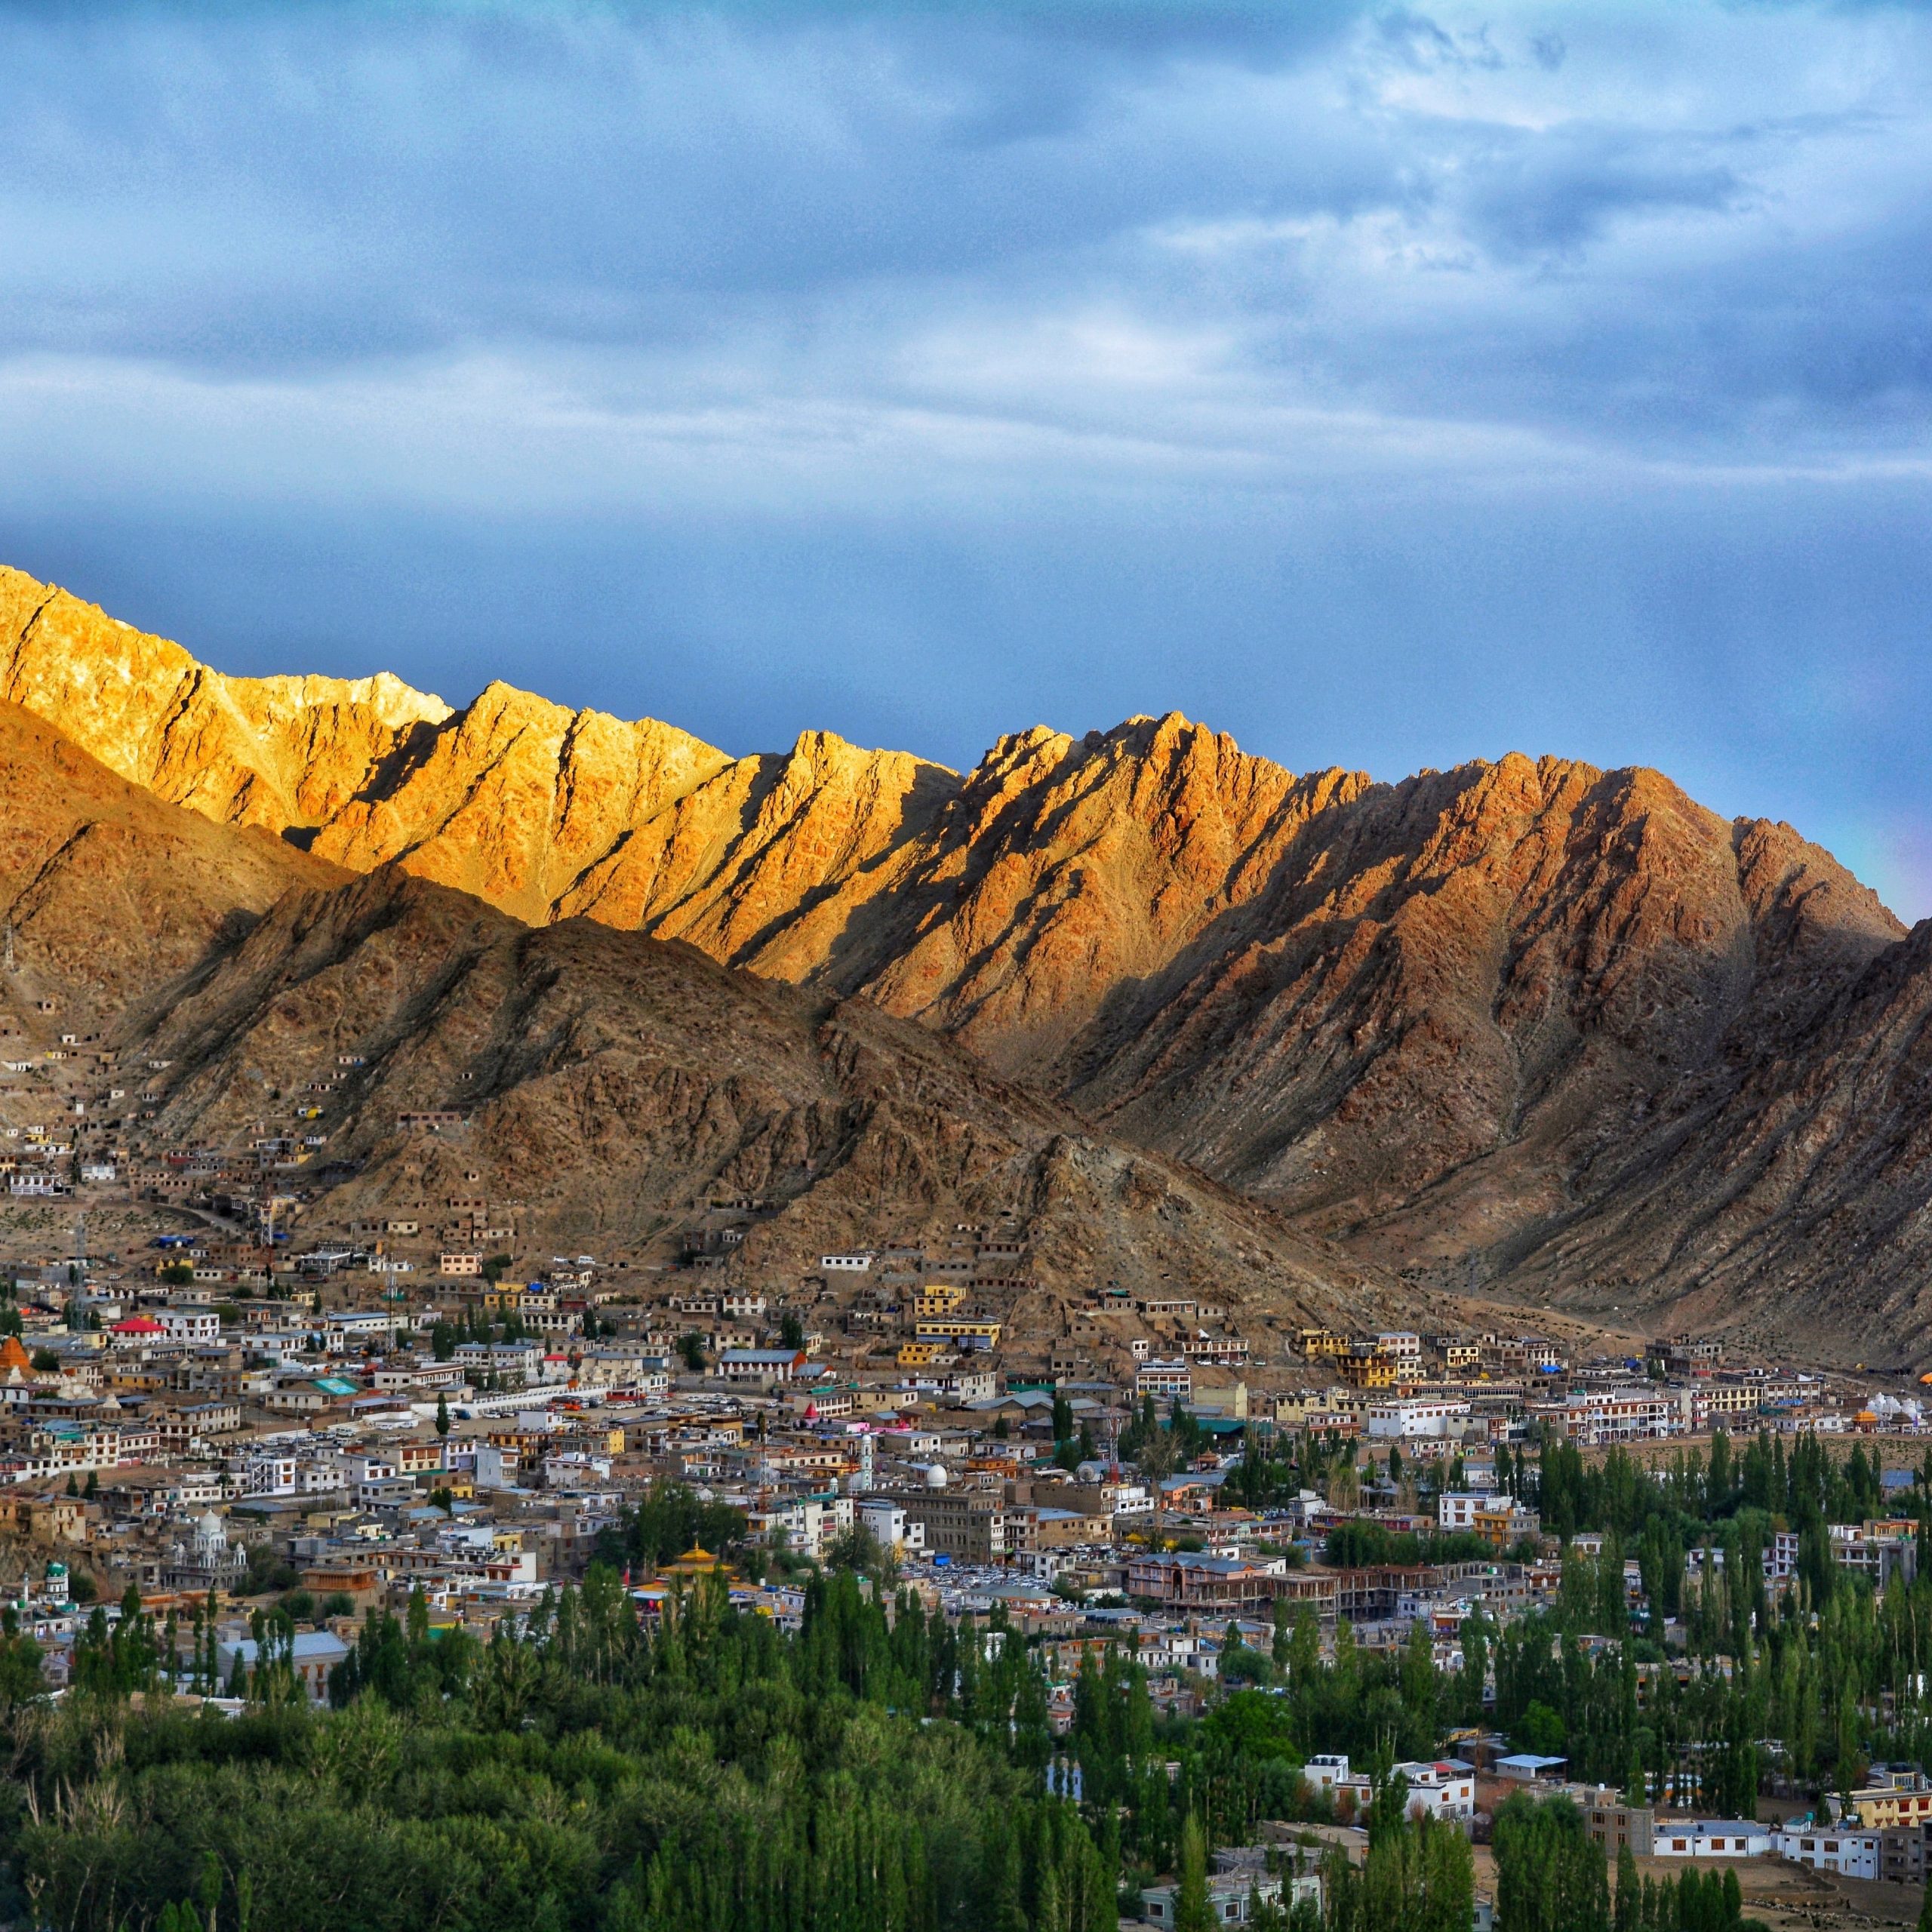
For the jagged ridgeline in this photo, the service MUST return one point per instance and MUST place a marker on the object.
(1528, 1026)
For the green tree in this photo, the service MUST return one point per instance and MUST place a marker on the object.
(1419, 1683)
(1548, 1872)
(1629, 1893)
(1193, 1911)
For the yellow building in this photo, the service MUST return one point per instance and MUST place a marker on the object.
(1367, 1367)
(1501, 1525)
(1881, 1808)
(921, 1355)
(961, 1330)
(698, 1561)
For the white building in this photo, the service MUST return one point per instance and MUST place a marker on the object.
(1622, 1415)
(521, 1360)
(1231, 1895)
(760, 1365)
(1163, 1377)
(1408, 1419)
(347, 1325)
(807, 1523)
(890, 1530)
(1853, 1854)
(268, 1475)
(195, 1325)
(1440, 1790)
(1710, 1838)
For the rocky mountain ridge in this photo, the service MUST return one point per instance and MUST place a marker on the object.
(1526, 1024)
(606, 1080)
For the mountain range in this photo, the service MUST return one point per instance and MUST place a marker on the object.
(1525, 1030)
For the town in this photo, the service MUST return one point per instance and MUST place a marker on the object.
(1478, 1571)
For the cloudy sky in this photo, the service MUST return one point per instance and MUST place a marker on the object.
(1387, 387)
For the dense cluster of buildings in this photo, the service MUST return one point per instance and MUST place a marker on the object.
(410, 1404)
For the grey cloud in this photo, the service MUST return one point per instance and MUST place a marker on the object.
(1423, 43)
(1370, 382)
(317, 188)
(344, 186)
(1537, 195)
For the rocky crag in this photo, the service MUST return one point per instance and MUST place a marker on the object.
(1528, 1026)
(608, 1083)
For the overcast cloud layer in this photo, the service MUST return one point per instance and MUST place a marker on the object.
(1390, 387)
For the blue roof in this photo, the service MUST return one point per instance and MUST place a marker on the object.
(308, 1645)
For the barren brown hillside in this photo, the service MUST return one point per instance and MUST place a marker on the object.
(1556, 1031)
